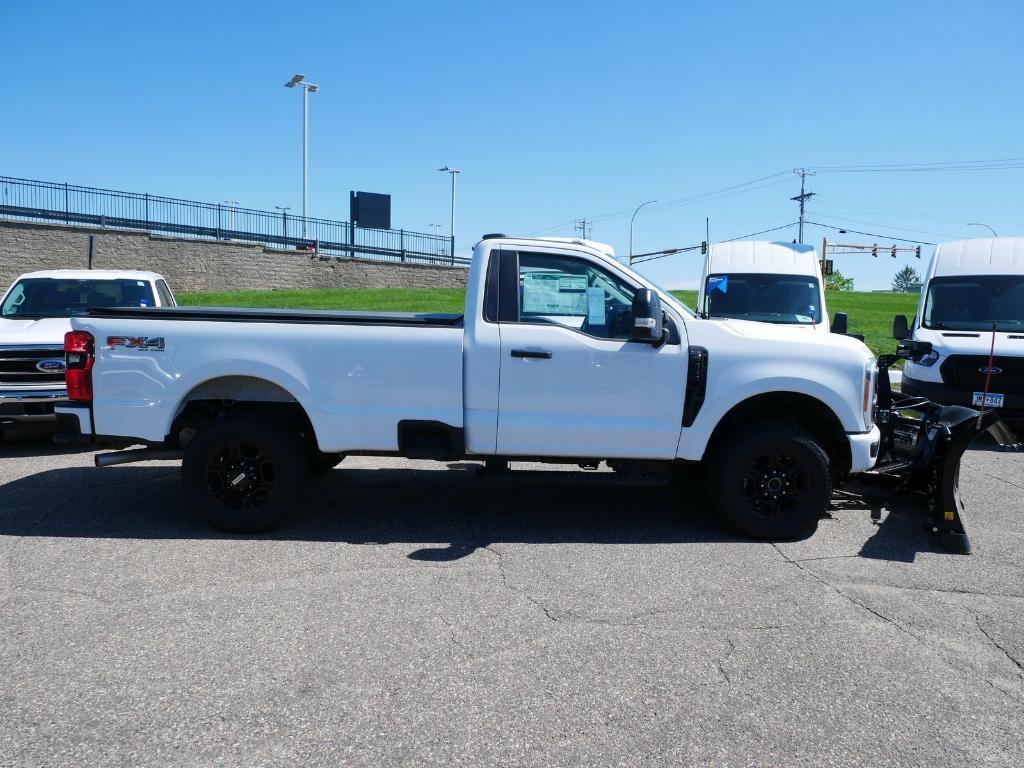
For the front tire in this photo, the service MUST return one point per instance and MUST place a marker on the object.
(771, 481)
(243, 474)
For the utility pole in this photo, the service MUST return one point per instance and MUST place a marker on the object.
(803, 197)
(584, 227)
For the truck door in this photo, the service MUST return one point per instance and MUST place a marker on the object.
(572, 383)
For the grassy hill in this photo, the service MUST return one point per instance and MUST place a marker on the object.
(870, 313)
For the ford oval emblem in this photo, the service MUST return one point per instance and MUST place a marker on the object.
(995, 370)
(52, 365)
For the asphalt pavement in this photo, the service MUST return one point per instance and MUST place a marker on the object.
(417, 613)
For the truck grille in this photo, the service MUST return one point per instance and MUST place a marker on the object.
(19, 366)
(965, 372)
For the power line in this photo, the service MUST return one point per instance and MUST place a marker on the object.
(747, 186)
(652, 255)
(869, 234)
(762, 232)
(887, 226)
(948, 165)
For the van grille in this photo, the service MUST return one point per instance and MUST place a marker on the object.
(965, 372)
(19, 366)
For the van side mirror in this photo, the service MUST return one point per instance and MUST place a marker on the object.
(648, 317)
(840, 323)
(900, 330)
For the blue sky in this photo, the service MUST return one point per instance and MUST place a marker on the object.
(554, 111)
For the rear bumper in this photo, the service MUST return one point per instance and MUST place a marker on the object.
(26, 408)
(75, 424)
(864, 449)
(938, 392)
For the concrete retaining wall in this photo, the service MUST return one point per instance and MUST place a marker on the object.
(203, 265)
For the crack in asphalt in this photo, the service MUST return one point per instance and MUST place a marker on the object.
(995, 643)
(995, 477)
(939, 651)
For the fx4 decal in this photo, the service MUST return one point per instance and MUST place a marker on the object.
(143, 343)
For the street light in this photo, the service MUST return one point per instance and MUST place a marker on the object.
(979, 224)
(307, 88)
(284, 218)
(453, 172)
(631, 227)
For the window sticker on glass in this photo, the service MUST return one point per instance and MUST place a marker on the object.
(720, 283)
(544, 293)
(572, 283)
(595, 306)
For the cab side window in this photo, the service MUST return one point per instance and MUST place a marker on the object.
(575, 293)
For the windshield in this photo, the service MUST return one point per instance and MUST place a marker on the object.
(38, 297)
(790, 299)
(974, 303)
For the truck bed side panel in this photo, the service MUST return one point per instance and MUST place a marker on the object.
(355, 381)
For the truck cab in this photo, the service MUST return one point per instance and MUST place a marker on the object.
(35, 313)
(971, 311)
(769, 282)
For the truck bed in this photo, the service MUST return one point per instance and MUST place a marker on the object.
(297, 316)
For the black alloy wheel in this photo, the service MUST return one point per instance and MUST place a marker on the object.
(244, 474)
(771, 481)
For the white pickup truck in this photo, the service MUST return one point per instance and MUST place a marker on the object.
(34, 316)
(563, 354)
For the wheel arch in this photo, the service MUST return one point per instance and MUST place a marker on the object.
(799, 409)
(222, 395)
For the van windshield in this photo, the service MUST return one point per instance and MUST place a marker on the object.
(38, 297)
(789, 299)
(975, 302)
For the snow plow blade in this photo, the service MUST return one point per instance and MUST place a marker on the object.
(957, 428)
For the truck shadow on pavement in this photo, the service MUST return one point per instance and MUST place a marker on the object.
(450, 513)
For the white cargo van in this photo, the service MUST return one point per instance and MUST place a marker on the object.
(770, 282)
(972, 297)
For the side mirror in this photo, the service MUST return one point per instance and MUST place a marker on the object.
(840, 323)
(900, 330)
(648, 318)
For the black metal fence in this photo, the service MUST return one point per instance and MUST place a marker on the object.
(89, 206)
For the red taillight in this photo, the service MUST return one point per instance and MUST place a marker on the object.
(79, 355)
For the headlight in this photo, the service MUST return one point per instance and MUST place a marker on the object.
(870, 384)
(929, 360)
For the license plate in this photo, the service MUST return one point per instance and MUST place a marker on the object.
(991, 400)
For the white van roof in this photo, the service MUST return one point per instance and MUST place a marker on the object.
(763, 257)
(981, 256)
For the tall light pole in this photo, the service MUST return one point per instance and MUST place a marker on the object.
(979, 224)
(307, 88)
(631, 227)
(454, 172)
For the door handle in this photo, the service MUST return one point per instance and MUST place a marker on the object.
(531, 353)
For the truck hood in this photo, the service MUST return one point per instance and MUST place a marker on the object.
(812, 334)
(46, 330)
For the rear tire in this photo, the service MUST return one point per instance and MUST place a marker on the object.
(243, 474)
(771, 481)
